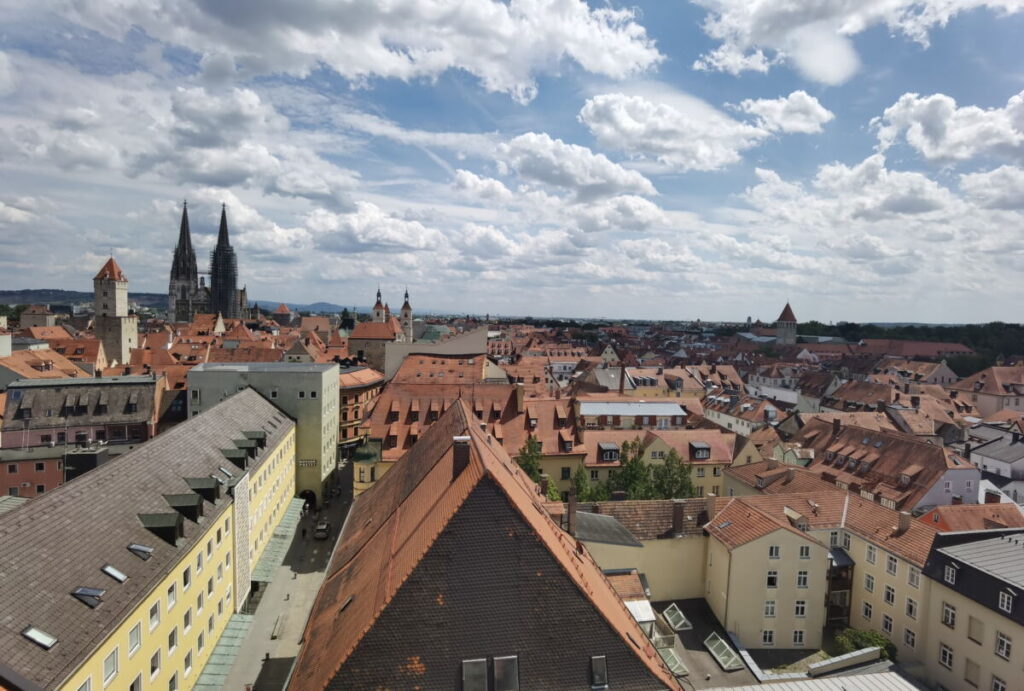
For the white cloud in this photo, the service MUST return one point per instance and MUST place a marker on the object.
(680, 132)
(370, 228)
(572, 167)
(939, 130)
(798, 112)
(814, 36)
(627, 212)
(1002, 188)
(8, 78)
(503, 44)
(481, 189)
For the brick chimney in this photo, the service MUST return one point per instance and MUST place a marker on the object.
(570, 518)
(915, 401)
(991, 497)
(904, 524)
(790, 474)
(772, 464)
(460, 455)
(678, 517)
(836, 426)
(520, 398)
(545, 481)
(709, 506)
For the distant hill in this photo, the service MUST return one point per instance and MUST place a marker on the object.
(50, 296)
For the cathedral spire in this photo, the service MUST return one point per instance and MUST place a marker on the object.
(183, 267)
(222, 234)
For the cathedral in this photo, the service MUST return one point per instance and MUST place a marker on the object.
(188, 294)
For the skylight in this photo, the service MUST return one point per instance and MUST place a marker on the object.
(90, 596)
(114, 573)
(141, 551)
(724, 525)
(40, 638)
(225, 471)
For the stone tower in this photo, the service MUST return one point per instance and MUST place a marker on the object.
(224, 298)
(405, 318)
(378, 309)
(785, 327)
(115, 326)
(184, 283)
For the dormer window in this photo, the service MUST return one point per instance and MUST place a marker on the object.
(1006, 601)
(950, 573)
(904, 480)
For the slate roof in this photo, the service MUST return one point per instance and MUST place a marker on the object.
(60, 540)
(1000, 557)
(395, 525)
(53, 402)
(596, 527)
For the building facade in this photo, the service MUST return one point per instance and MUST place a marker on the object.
(115, 325)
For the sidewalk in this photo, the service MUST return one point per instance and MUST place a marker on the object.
(264, 658)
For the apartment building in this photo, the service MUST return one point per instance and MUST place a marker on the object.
(306, 392)
(156, 549)
(358, 388)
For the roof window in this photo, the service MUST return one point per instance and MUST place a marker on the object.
(598, 672)
(90, 596)
(40, 638)
(141, 551)
(225, 471)
(114, 573)
(474, 674)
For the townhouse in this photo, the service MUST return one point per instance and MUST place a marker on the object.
(993, 389)
(741, 414)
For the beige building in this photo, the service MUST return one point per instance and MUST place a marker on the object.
(115, 325)
(306, 392)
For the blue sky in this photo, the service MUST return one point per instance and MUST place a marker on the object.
(664, 160)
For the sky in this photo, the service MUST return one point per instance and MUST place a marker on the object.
(861, 159)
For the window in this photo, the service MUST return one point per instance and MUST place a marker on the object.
(801, 579)
(1003, 645)
(890, 565)
(302, 394)
(187, 623)
(865, 610)
(869, 583)
(154, 664)
(199, 602)
(846, 541)
(201, 641)
(975, 630)
(871, 554)
(134, 639)
(998, 684)
(209, 586)
(172, 685)
(914, 577)
(912, 608)
(886, 623)
(798, 638)
(593, 475)
(86, 685)
(1006, 601)
(110, 667)
(909, 638)
(768, 637)
(186, 578)
(950, 574)
(154, 616)
(773, 551)
(566, 472)
(700, 472)
(172, 640)
(188, 662)
(890, 595)
(40, 467)
(833, 538)
(172, 597)
(273, 394)
(773, 579)
(945, 656)
(199, 562)
(800, 609)
(949, 615)
(312, 394)
(769, 609)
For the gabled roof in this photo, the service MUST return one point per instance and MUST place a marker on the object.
(787, 314)
(394, 525)
(111, 272)
(964, 517)
(376, 331)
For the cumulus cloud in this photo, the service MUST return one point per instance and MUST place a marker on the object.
(571, 167)
(938, 129)
(370, 228)
(815, 37)
(8, 79)
(504, 45)
(627, 212)
(480, 188)
(798, 112)
(1002, 188)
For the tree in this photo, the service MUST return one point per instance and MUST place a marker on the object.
(529, 457)
(633, 475)
(553, 493)
(671, 480)
(849, 640)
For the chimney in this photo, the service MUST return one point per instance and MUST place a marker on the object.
(678, 516)
(790, 474)
(545, 480)
(622, 380)
(460, 455)
(967, 450)
(991, 497)
(904, 524)
(956, 500)
(915, 401)
(709, 506)
(520, 397)
(836, 426)
(772, 464)
(570, 518)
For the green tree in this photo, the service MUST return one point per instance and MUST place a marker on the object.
(671, 480)
(849, 640)
(633, 476)
(529, 457)
(553, 493)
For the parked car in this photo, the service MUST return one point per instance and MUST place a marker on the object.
(322, 530)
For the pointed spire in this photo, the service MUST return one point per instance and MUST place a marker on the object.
(184, 235)
(222, 234)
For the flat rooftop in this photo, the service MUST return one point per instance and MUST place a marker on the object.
(265, 367)
(630, 408)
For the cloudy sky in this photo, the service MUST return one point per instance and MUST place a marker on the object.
(669, 160)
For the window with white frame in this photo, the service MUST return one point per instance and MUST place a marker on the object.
(86, 685)
(998, 684)
(890, 595)
(769, 609)
(914, 577)
(154, 664)
(800, 608)
(172, 597)
(833, 538)
(768, 637)
(912, 608)
(1003, 645)
(172, 640)
(909, 638)
(869, 583)
(154, 615)
(949, 574)
(134, 639)
(1006, 601)
(772, 581)
(890, 565)
(846, 540)
(798, 638)
(865, 610)
(801, 579)
(872, 552)
(886, 623)
(110, 667)
(773, 551)
(805, 551)
(945, 656)
(949, 615)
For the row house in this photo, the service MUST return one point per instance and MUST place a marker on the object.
(741, 414)
(993, 389)
(629, 415)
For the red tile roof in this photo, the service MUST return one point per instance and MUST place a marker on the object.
(377, 331)
(962, 517)
(787, 314)
(111, 271)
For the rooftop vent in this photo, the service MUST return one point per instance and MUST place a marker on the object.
(141, 551)
(39, 637)
(90, 596)
(114, 573)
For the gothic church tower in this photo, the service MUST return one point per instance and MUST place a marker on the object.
(405, 318)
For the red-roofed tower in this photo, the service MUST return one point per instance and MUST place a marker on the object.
(114, 324)
(785, 327)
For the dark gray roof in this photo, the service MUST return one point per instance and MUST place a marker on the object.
(596, 527)
(1002, 449)
(60, 541)
(264, 367)
(1000, 557)
(80, 381)
(53, 402)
